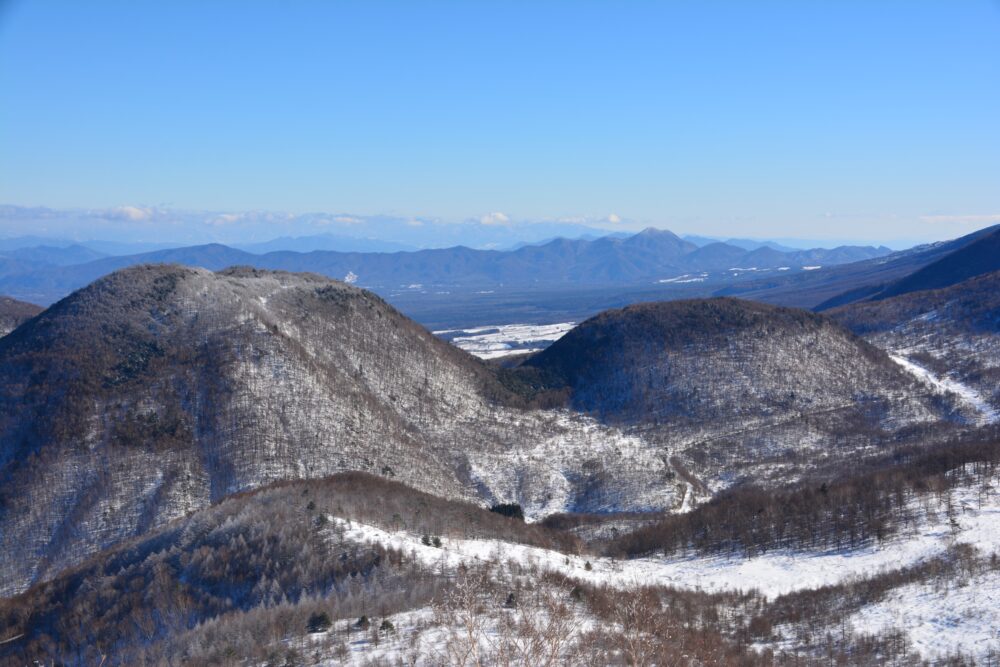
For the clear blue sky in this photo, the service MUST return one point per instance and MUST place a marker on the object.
(863, 119)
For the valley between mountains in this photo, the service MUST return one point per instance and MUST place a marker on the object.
(253, 466)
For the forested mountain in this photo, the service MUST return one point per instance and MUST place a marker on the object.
(158, 390)
(687, 360)
(161, 389)
(971, 306)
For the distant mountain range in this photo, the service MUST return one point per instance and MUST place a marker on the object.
(746, 244)
(651, 256)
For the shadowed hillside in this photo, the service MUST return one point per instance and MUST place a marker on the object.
(716, 359)
(732, 385)
(833, 286)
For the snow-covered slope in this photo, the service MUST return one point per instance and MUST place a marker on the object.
(983, 412)
(941, 618)
(257, 567)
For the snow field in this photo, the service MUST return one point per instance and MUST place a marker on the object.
(490, 342)
(938, 618)
(772, 574)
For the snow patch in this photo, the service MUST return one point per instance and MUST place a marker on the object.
(686, 278)
(946, 385)
(504, 339)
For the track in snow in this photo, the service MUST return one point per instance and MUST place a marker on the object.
(944, 384)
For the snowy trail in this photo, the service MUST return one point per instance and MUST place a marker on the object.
(969, 396)
(773, 573)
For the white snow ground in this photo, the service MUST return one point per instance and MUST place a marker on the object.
(938, 619)
(500, 340)
(946, 385)
(686, 278)
(772, 574)
(420, 638)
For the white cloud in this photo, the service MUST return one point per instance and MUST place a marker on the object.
(614, 219)
(226, 218)
(413, 222)
(495, 218)
(963, 219)
(133, 213)
(325, 220)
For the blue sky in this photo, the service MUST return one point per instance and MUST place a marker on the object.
(849, 119)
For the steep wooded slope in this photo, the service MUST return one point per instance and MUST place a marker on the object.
(161, 389)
